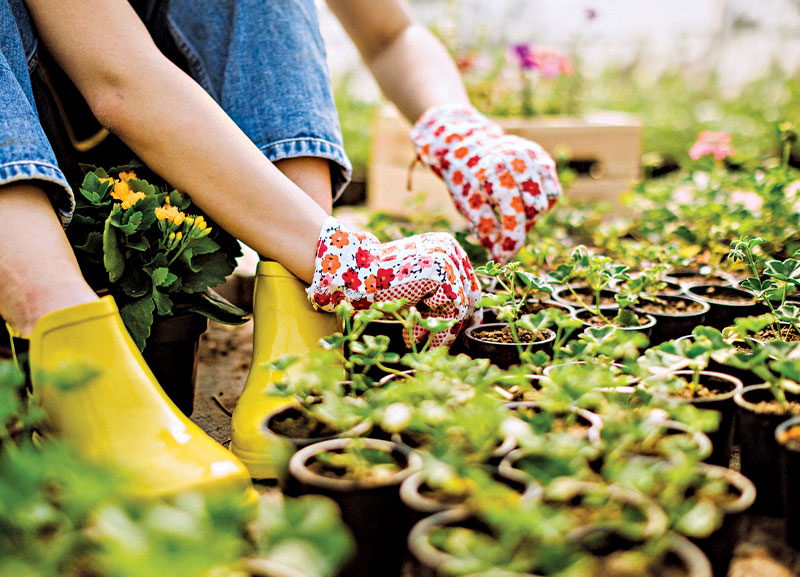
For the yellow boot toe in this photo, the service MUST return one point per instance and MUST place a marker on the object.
(123, 417)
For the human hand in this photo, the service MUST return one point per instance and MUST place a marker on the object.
(431, 270)
(500, 183)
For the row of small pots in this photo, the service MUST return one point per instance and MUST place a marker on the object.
(355, 505)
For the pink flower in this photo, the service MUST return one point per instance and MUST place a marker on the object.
(747, 199)
(552, 63)
(717, 144)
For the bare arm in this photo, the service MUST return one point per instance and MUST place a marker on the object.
(411, 66)
(177, 129)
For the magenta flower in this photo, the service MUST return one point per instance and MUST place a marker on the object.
(717, 144)
(524, 54)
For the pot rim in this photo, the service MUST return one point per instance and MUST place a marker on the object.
(735, 478)
(298, 469)
(721, 301)
(684, 297)
(263, 567)
(360, 428)
(790, 422)
(468, 334)
(739, 399)
(409, 491)
(737, 386)
(593, 433)
(651, 320)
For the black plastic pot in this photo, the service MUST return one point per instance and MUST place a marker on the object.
(503, 355)
(646, 328)
(723, 309)
(687, 277)
(719, 546)
(727, 387)
(759, 449)
(292, 411)
(790, 481)
(673, 325)
(171, 353)
(373, 511)
(415, 495)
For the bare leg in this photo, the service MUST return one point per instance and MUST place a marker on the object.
(313, 175)
(37, 266)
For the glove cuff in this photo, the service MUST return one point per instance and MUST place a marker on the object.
(345, 267)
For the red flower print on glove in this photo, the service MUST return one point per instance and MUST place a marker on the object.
(500, 183)
(431, 270)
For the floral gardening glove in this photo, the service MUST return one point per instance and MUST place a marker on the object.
(500, 183)
(431, 270)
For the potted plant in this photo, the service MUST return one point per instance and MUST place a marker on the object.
(761, 408)
(140, 244)
(516, 334)
(363, 477)
(678, 369)
(676, 315)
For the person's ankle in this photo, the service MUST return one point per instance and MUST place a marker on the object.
(23, 318)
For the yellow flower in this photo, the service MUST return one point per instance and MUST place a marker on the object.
(170, 213)
(132, 199)
(178, 235)
(126, 176)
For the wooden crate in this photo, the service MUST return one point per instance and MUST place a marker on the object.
(608, 142)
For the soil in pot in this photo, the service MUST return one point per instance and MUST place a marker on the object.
(302, 429)
(691, 277)
(788, 437)
(675, 315)
(727, 303)
(585, 294)
(785, 332)
(758, 416)
(590, 318)
(715, 391)
(496, 343)
(367, 496)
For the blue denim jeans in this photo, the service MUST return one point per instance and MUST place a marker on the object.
(263, 61)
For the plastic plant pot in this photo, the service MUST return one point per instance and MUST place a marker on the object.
(727, 303)
(671, 325)
(502, 354)
(171, 353)
(371, 508)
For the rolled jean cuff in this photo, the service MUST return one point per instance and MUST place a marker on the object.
(57, 188)
(341, 169)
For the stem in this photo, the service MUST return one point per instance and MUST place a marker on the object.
(787, 149)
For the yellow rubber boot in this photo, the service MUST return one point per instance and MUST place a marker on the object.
(123, 417)
(284, 323)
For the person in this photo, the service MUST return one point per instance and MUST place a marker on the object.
(247, 128)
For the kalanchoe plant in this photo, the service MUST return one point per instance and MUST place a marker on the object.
(140, 243)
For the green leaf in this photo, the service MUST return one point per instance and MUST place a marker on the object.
(138, 318)
(163, 303)
(213, 306)
(162, 277)
(213, 270)
(113, 260)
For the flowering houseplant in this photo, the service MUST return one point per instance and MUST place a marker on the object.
(138, 243)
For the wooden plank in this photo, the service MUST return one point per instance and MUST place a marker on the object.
(612, 140)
